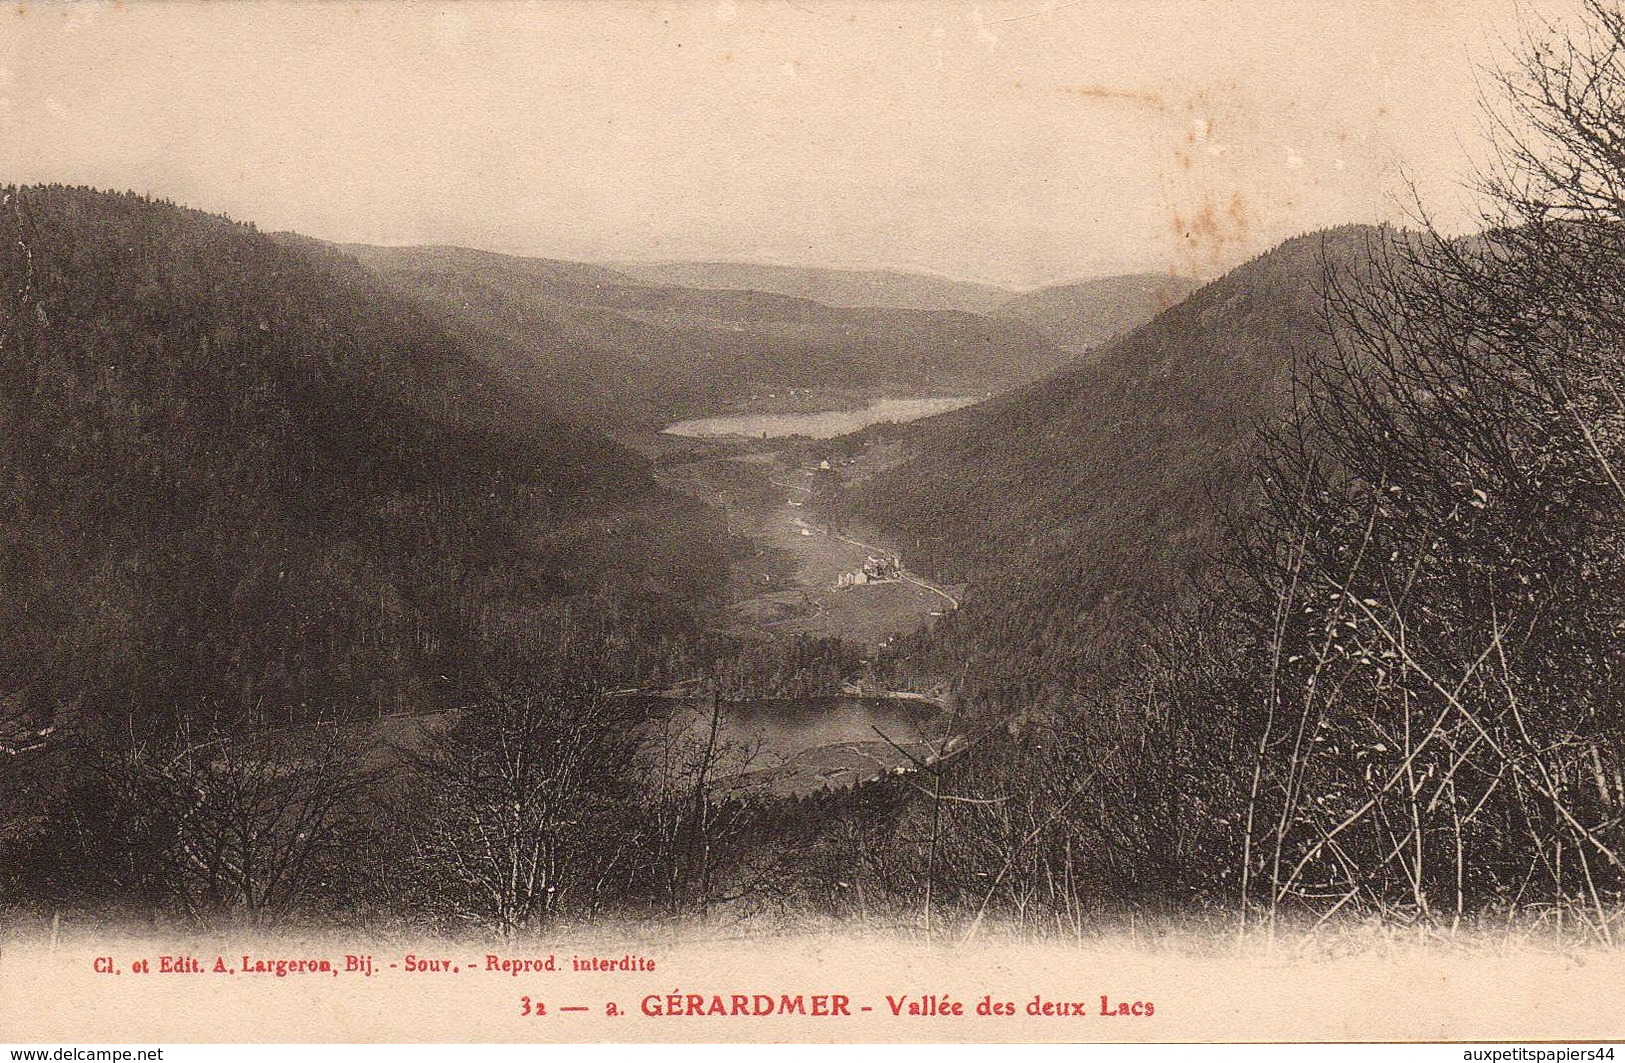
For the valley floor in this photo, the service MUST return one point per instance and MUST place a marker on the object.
(790, 583)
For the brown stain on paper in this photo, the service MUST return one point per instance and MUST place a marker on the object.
(1153, 100)
(1210, 237)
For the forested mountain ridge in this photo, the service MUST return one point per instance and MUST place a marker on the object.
(832, 287)
(247, 482)
(1085, 314)
(1079, 506)
(618, 352)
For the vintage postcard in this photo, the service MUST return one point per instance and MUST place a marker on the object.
(812, 521)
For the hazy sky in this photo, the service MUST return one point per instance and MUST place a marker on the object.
(1013, 142)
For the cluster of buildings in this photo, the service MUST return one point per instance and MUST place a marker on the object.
(874, 570)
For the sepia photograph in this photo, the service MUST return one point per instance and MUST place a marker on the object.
(811, 521)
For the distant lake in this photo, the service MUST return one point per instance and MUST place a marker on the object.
(783, 727)
(826, 425)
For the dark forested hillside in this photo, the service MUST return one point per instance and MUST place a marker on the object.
(1082, 315)
(609, 350)
(242, 482)
(1080, 505)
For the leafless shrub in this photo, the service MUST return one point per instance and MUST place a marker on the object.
(522, 807)
(1436, 589)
